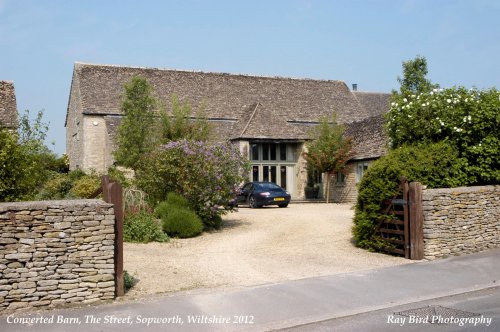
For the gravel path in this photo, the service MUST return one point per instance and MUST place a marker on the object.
(256, 246)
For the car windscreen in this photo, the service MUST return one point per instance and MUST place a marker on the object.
(267, 186)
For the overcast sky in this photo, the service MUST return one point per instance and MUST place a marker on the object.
(361, 42)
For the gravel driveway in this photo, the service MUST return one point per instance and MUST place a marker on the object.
(256, 246)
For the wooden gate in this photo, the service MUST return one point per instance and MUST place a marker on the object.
(402, 222)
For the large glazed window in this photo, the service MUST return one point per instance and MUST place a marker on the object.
(274, 162)
(273, 152)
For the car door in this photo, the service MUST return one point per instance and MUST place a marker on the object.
(244, 193)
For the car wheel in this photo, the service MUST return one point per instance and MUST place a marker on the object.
(283, 205)
(252, 203)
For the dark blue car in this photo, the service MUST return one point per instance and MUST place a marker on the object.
(258, 194)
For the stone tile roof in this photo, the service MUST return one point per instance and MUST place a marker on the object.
(369, 137)
(8, 106)
(374, 103)
(285, 106)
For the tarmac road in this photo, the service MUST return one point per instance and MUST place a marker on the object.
(485, 304)
(367, 297)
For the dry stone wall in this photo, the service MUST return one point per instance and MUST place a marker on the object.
(56, 253)
(460, 220)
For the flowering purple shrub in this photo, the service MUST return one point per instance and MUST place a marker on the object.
(207, 175)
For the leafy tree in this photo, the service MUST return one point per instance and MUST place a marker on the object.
(13, 166)
(180, 125)
(135, 135)
(414, 77)
(329, 150)
(32, 133)
(25, 162)
(44, 162)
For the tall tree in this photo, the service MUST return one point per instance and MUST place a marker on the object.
(414, 79)
(25, 161)
(136, 134)
(180, 123)
(329, 150)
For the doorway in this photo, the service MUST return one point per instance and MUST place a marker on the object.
(282, 175)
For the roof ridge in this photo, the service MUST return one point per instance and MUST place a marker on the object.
(81, 64)
(371, 92)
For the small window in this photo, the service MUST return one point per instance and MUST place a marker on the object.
(265, 171)
(255, 152)
(318, 176)
(290, 154)
(282, 151)
(360, 170)
(272, 148)
(255, 173)
(265, 151)
(340, 178)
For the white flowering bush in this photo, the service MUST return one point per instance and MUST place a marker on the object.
(469, 120)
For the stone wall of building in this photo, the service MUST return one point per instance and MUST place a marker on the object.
(300, 171)
(347, 191)
(56, 253)
(8, 105)
(344, 192)
(94, 143)
(460, 220)
(73, 124)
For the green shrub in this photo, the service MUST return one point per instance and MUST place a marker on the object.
(178, 200)
(85, 186)
(121, 175)
(436, 165)
(181, 222)
(142, 227)
(173, 201)
(56, 187)
(76, 174)
(216, 222)
(177, 217)
(128, 280)
(161, 210)
(59, 186)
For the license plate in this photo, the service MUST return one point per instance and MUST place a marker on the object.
(279, 199)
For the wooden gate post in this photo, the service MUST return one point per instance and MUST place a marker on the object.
(416, 221)
(112, 192)
(105, 188)
(406, 226)
(116, 195)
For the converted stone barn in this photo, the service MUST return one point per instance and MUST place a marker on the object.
(8, 106)
(268, 117)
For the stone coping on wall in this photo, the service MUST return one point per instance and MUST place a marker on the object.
(459, 190)
(44, 205)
